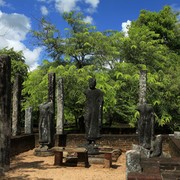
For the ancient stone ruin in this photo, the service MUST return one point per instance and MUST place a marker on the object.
(149, 144)
(5, 112)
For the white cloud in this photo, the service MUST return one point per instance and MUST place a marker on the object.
(32, 56)
(2, 3)
(44, 10)
(66, 5)
(73, 5)
(13, 30)
(93, 5)
(125, 27)
(88, 19)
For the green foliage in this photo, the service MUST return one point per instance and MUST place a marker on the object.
(114, 60)
(126, 76)
(82, 45)
(18, 65)
(35, 89)
(153, 44)
(165, 23)
(75, 84)
(49, 37)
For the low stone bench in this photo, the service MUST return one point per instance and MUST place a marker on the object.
(82, 155)
(107, 158)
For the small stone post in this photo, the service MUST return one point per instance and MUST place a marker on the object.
(142, 86)
(60, 107)
(28, 129)
(16, 114)
(133, 162)
(5, 112)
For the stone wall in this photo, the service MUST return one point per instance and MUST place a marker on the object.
(174, 145)
(24, 143)
(124, 142)
(21, 144)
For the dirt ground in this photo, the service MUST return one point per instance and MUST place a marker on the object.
(26, 166)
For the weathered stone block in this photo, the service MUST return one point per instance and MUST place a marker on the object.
(133, 161)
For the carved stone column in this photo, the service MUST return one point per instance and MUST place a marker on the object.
(28, 129)
(51, 87)
(5, 112)
(16, 109)
(60, 107)
(142, 86)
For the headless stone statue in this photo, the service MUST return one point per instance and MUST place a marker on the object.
(93, 111)
(146, 125)
(46, 125)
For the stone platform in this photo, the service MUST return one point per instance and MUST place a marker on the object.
(43, 151)
(105, 156)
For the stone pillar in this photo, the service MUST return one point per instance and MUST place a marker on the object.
(60, 107)
(16, 114)
(51, 98)
(51, 87)
(28, 129)
(142, 86)
(5, 112)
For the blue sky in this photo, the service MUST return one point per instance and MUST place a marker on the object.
(17, 17)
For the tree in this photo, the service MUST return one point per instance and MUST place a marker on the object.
(142, 47)
(149, 46)
(82, 45)
(18, 65)
(115, 61)
(165, 23)
(75, 84)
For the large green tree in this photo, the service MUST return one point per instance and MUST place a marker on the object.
(82, 43)
(153, 44)
(85, 52)
(165, 23)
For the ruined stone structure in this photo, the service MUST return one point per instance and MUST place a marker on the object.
(16, 108)
(60, 107)
(5, 112)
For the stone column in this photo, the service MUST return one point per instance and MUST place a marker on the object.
(5, 112)
(51, 87)
(51, 98)
(60, 107)
(16, 114)
(142, 86)
(28, 129)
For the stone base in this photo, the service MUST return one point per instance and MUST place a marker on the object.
(43, 151)
(177, 134)
(96, 159)
(92, 148)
